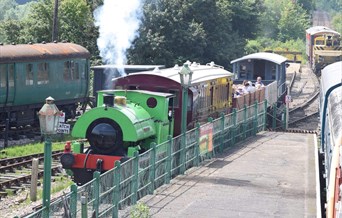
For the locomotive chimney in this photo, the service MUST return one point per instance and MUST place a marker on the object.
(108, 100)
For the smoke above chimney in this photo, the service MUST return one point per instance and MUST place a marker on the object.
(118, 22)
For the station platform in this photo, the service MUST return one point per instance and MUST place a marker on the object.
(270, 175)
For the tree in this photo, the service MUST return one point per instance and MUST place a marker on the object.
(293, 21)
(174, 31)
(5, 6)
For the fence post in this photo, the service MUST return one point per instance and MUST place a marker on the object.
(234, 126)
(197, 150)
(135, 179)
(116, 185)
(255, 117)
(73, 200)
(96, 193)
(285, 118)
(84, 207)
(274, 120)
(169, 160)
(265, 114)
(222, 133)
(244, 121)
(153, 167)
(182, 153)
(34, 179)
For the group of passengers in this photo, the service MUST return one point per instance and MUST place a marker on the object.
(247, 87)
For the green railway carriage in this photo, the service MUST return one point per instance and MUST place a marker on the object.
(29, 73)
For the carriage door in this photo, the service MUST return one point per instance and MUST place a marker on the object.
(6, 84)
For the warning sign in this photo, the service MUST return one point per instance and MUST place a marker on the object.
(63, 128)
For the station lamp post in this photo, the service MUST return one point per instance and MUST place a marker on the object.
(48, 120)
(185, 78)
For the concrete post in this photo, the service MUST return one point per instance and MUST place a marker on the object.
(34, 179)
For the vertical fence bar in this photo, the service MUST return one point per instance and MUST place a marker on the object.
(96, 193)
(47, 176)
(73, 200)
(274, 120)
(244, 122)
(84, 207)
(255, 118)
(169, 159)
(116, 194)
(182, 153)
(153, 167)
(234, 130)
(135, 183)
(285, 118)
(265, 114)
(222, 133)
(212, 153)
(197, 150)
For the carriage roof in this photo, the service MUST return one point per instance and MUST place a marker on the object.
(320, 30)
(200, 73)
(275, 58)
(32, 52)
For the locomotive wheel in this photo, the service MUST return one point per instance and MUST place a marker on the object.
(105, 137)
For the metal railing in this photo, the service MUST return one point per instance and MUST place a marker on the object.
(126, 183)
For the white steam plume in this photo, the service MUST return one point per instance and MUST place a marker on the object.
(118, 22)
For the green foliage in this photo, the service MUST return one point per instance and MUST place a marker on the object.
(6, 7)
(266, 44)
(202, 31)
(284, 20)
(22, 150)
(140, 210)
(337, 22)
(293, 22)
(75, 23)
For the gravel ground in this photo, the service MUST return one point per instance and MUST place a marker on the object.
(18, 205)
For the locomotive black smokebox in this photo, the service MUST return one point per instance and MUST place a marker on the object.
(104, 74)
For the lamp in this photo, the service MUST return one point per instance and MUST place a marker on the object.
(48, 120)
(48, 117)
(185, 75)
(185, 78)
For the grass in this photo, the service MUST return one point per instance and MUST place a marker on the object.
(23, 150)
(60, 183)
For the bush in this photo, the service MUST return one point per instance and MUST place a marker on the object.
(140, 210)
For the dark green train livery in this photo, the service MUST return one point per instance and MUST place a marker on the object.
(31, 72)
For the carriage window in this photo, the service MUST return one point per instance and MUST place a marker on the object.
(11, 75)
(71, 71)
(175, 98)
(273, 73)
(43, 73)
(243, 69)
(319, 42)
(66, 74)
(2, 75)
(75, 73)
(29, 74)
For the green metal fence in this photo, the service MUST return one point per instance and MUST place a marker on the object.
(126, 183)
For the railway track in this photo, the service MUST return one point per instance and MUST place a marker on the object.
(15, 172)
(303, 113)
